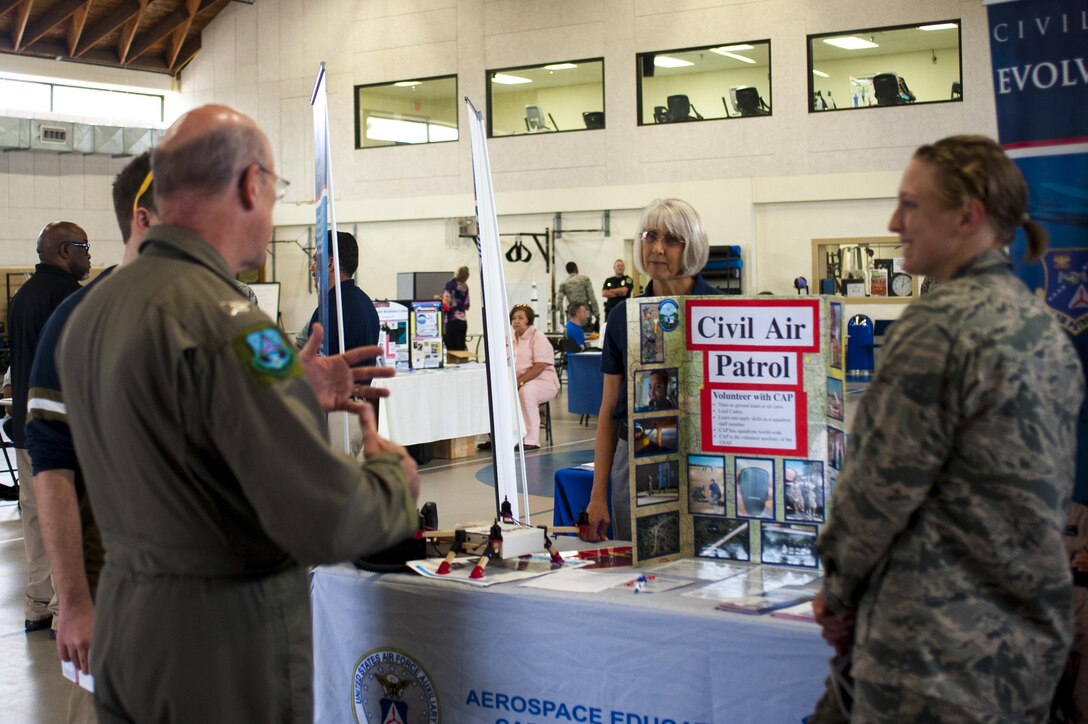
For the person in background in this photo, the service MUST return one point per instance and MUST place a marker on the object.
(8, 492)
(535, 366)
(361, 323)
(69, 532)
(577, 314)
(198, 426)
(65, 260)
(672, 250)
(947, 592)
(617, 289)
(455, 305)
(577, 289)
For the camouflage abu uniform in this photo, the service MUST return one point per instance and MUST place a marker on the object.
(946, 533)
(577, 289)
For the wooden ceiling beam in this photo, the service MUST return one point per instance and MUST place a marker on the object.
(75, 28)
(110, 22)
(177, 38)
(50, 19)
(6, 5)
(128, 32)
(167, 25)
(19, 26)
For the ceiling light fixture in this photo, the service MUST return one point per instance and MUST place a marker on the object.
(734, 56)
(665, 61)
(820, 73)
(505, 79)
(850, 42)
(725, 48)
(407, 83)
(939, 26)
(560, 66)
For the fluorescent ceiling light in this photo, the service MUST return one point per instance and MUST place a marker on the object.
(850, 42)
(505, 79)
(664, 61)
(734, 56)
(407, 83)
(560, 66)
(722, 50)
(820, 73)
(938, 26)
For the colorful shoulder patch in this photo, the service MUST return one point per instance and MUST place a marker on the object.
(266, 355)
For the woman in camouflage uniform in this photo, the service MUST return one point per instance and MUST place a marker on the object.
(947, 590)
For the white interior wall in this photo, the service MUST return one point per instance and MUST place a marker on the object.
(749, 178)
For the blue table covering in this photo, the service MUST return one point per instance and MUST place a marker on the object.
(572, 489)
(585, 383)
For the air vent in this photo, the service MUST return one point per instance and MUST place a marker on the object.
(54, 134)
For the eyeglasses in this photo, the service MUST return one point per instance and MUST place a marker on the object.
(281, 183)
(84, 245)
(651, 237)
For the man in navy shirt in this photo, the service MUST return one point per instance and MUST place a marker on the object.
(360, 317)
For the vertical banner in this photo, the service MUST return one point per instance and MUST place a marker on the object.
(326, 219)
(501, 377)
(1040, 75)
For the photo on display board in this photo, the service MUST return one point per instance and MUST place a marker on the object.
(829, 486)
(788, 545)
(651, 340)
(658, 535)
(834, 334)
(656, 389)
(803, 489)
(836, 447)
(706, 484)
(722, 538)
(835, 402)
(754, 488)
(657, 483)
(655, 436)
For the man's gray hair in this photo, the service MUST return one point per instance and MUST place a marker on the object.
(208, 163)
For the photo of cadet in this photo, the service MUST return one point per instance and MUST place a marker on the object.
(803, 490)
(706, 484)
(836, 447)
(656, 390)
(834, 398)
(722, 538)
(658, 535)
(655, 436)
(657, 483)
(651, 342)
(834, 335)
(754, 488)
(788, 545)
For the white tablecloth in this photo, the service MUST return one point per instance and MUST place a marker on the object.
(434, 405)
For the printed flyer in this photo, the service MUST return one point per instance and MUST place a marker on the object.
(737, 425)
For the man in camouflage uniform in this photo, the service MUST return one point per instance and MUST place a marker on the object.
(577, 289)
(944, 543)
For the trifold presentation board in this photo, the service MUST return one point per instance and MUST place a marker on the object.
(737, 425)
(425, 334)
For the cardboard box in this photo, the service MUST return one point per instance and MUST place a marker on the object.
(458, 447)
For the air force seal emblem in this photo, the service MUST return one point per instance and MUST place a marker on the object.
(265, 355)
(390, 687)
(1067, 286)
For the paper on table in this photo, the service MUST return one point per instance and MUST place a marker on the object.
(702, 570)
(579, 581)
(754, 583)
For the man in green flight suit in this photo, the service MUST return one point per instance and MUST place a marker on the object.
(200, 430)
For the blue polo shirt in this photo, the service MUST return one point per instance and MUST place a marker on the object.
(575, 333)
(614, 350)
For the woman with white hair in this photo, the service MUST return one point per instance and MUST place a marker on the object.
(672, 250)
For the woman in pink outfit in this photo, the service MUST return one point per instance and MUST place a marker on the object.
(535, 365)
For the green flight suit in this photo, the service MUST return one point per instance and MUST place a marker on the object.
(214, 487)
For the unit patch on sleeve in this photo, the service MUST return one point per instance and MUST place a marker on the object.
(266, 355)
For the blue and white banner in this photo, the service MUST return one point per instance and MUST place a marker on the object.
(1039, 50)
